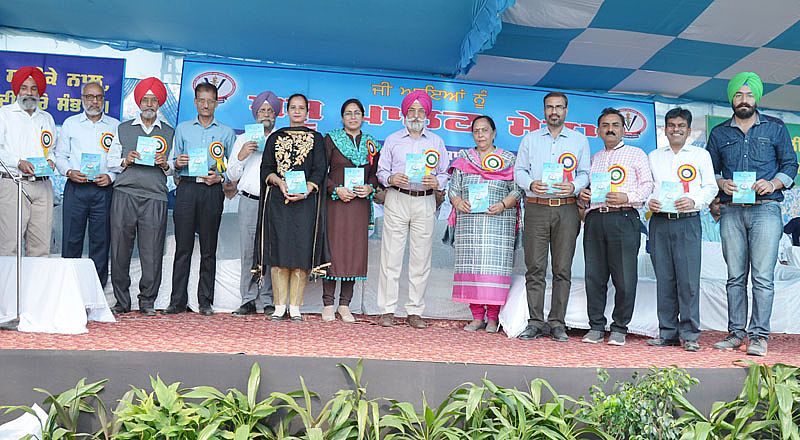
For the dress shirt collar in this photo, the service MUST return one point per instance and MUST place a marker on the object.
(619, 145)
(103, 118)
(406, 133)
(564, 132)
(197, 122)
(685, 147)
(732, 121)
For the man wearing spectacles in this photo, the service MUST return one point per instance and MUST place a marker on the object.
(551, 212)
(139, 204)
(82, 156)
(199, 198)
(244, 167)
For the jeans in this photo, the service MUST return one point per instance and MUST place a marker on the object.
(750, 237)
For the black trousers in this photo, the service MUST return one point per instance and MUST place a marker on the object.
(611, 248)
(675, 250)
(87, 204)
(198, 210)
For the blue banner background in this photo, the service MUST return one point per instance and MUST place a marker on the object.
(515, 109)
(65, 75)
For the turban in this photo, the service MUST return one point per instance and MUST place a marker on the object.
(150, 85)
(749, 79)
(417, 95)
(267, 96)
(28, 72)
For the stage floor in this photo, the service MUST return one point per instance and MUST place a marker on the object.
(442, 341)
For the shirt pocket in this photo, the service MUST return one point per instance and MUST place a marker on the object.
(763, 151)
(730, 152)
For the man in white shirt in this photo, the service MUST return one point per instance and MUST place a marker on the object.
(244, 165)
(26, 132)
(81, 156)
(684, 184)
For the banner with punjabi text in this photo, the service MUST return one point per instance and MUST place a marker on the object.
(516, 110)
(65, 76)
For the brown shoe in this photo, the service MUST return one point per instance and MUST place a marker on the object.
(416, 321)
(386, 320)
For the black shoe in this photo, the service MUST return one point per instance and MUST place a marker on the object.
(147, 311)
(268, 310)
(247, 308)
(531, 333)
(661, 342)
(691, 346)
(118, 309)
(172, 310)
(559, 334)
(206, 311)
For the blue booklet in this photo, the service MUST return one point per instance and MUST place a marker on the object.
(353, 177)
(146, 147)
(40, 166)
(601, 185)
(296, 182)
(478, 197)
(90, 165)
(668, 194)
(415, 167)
(552, 173)
(744, 181)
(255, 132)
(198, 162)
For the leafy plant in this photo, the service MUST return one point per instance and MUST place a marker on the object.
(161, 414)
(643, 408)
(65, 409)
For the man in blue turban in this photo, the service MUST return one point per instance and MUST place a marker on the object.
(753, 161)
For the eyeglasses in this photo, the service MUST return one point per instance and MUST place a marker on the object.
(558, 108)
(92, 97)
(355, 114)
(415, 112)
(149, 101)
(265, 111)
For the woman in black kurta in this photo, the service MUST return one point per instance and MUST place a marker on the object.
(349, 212)
(292, 226)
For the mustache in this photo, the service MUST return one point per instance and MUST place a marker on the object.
(611, 132)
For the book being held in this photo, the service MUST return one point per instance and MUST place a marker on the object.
(601, 186)
(353, 177)
(296, 182)
(90, 165)
(146, 147)
(478, 197)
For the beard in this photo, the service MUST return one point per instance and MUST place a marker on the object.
(28, 103)
(93, 112)
(416, 124)
(148, 114)
(555, 122)
(744, 111)
(268, 124)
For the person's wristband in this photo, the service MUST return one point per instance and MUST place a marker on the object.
(774, 188)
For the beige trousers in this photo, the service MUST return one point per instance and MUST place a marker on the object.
(406, 219)
(37, 217)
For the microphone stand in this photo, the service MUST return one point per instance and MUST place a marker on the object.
(17, 178)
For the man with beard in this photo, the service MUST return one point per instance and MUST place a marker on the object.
(245, 166)
(611, 235)
(199, 199)
(409, 209)
(26, 131)
(551, 214)
(751, 232)
(139, 205)
(675, 231)
(87, 198)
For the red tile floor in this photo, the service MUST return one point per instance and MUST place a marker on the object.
(442, 341)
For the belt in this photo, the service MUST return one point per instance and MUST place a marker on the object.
(676, 215)
(414, 193)
(551, 202)
(248, 195)
(747, 205)
(605, 209)
(26, 178)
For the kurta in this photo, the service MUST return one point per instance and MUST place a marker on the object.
(292, 233)
(484, 243)
(348, 223)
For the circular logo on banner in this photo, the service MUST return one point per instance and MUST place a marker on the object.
(687, 172)
(46, 139)
(617, 174)
(217, 150)
(225, 84)
(431, 158)
(492, 162)
(372, 149)
(162, 144)
(568, 161)
(105, 141)
(635, 122)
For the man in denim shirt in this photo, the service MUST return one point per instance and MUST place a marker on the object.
(750, 233)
